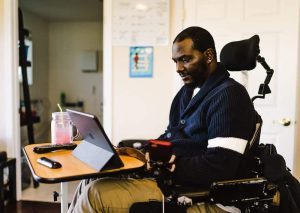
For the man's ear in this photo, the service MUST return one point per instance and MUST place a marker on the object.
(210, 55)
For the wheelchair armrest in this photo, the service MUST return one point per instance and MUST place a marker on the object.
(242, 192)
(234, 192)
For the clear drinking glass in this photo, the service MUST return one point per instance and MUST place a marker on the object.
(61, 128)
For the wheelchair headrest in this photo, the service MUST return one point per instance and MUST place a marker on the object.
(240, 55)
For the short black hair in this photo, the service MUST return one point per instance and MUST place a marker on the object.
(201, 38)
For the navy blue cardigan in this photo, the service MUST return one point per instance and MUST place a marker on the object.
(222, 108)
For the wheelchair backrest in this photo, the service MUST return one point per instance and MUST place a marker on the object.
(240, 56)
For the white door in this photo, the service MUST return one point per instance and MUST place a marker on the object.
(276, 23)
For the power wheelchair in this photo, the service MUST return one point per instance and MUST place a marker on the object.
(255, 189)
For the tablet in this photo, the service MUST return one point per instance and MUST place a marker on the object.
(96, 149)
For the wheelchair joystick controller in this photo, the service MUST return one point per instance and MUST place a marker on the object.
(160, 153)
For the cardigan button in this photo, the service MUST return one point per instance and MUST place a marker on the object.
(182, 121)
(169, 135)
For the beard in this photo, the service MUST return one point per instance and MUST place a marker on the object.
(196, 77)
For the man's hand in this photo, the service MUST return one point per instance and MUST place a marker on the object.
(148, 165)
(171, 163)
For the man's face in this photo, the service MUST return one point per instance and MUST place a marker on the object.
(190, 63)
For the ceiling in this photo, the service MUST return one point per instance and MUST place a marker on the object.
(64, 10)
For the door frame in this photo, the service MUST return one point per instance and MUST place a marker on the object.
(9, 108)
(107, 67)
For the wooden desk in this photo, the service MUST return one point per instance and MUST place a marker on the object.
(72, 169)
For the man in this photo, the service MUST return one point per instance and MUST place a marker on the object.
(211, 120)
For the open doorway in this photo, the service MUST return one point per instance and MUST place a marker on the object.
(67, 46)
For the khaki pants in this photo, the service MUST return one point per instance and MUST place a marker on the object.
(117, 195)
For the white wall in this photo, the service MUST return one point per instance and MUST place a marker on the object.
(66, 41)
(141, 105)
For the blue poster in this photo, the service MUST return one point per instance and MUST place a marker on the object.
(141, 62)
